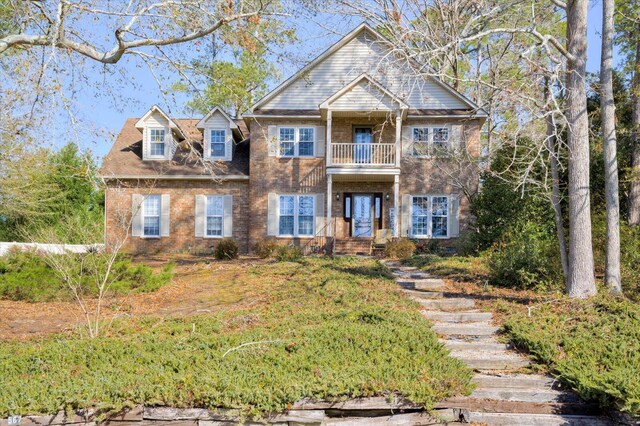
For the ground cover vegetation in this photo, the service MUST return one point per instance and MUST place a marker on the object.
(324, 328)
(28, 276)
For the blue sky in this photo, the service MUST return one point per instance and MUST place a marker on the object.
(103, 115)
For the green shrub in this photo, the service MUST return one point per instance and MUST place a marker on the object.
(266, 248)
(431, 246)
(289, 253)
(25, 275)
(399, 249)
(526, 257)
(227, 249)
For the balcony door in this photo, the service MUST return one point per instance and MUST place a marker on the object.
(362, 138)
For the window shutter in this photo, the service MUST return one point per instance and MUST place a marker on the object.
(228, 216)
(146, 141)
(200, 218)
(136, 215)
(319, 212)
(405, 218)
(272, 214)
(457, 136)
(228, 147)
(165, 222)
(206, 142)
(320, 142)
(454, 213)
(272, 141)
(407, 140)
(169, 147)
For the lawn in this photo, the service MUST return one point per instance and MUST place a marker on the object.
(318, 328)
(593, 345)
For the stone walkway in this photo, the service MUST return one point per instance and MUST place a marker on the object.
(504, 395)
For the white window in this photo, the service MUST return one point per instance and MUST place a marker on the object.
(151, 216)
(429, 141)
(218, 142)
(156, 142)
(215, 216)
(296, 141)
(429, 216)
(296, 215)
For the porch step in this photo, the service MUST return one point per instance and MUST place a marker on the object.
(352, 247)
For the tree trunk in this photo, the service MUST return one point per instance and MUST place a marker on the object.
(581, 279)
(608, 123)
(552, 147)
(634, 193)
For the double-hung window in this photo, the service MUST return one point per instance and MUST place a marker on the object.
(296, 141)
(296, 215)
(151, 216)
(429, 216)
(428, 141)
(215, 216)
(156, 142)
(218, 142)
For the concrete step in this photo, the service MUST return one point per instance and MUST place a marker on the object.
(466, 405)
(425, 294)
(466, 329)
(429, 284)
(509, 419)
(485, 345)
(515, 381)
(489, 363)
(457, 317)
(526, 395)
(448, 304)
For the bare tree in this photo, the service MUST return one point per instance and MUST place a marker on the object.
(634, 194)
(608, 119)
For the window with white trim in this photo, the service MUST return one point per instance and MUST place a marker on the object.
(429, 216)
(215, 216)
(296, 215)
(156, 142)
(428, 141)
(151, 216)
(218, 139)
(296, 141)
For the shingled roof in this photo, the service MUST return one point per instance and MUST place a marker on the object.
(125, 158)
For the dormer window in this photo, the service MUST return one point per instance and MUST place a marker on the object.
(157, 143)
(218, 143)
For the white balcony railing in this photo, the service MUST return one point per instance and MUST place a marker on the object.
(351, 154)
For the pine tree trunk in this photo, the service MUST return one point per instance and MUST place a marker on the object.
(634, 193)
(608, 123)
(581, 279)
(552, 147)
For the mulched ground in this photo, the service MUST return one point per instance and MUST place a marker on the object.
(200, 285)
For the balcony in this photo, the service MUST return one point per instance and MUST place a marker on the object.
(363, 155)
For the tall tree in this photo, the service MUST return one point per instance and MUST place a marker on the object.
(581, 279)
(608, 124)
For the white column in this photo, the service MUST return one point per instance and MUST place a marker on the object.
(329, 200)
(396, 205)
(398, 136)
(328, 139)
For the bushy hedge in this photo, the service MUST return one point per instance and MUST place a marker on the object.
(25, 275)
(227, 249)
(266, 248)
(399, 249)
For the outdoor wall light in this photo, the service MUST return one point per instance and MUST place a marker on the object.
(337, 196)
(386, 196)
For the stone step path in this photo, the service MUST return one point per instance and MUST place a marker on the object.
(503, 395)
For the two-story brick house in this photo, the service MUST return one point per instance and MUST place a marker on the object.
(354, 145)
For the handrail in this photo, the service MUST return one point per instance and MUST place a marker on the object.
(381, 154)
(318, 244)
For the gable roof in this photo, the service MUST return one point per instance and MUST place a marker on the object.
(215, 109)
(364, 27)
(354, 83)
(155, 108)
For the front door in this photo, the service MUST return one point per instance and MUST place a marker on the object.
(362, 137)
(362, 215)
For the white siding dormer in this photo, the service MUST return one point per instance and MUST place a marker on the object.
(159, 135)
(217, 135)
